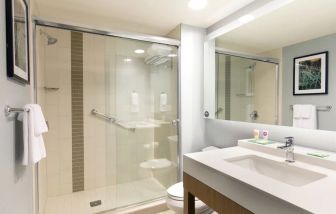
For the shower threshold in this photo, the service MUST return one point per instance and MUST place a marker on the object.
(111, 197)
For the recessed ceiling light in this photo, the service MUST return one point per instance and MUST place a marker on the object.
(197, 4)
(127, 60)
(139, 51)
(246, 18)
(172, 55)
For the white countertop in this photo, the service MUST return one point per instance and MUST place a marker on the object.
(316, 197)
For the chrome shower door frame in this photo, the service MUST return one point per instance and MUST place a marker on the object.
(36, 21)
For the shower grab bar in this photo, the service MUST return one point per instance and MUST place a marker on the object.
(106, 117)
(110, 119)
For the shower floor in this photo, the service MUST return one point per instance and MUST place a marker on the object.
(112, 197)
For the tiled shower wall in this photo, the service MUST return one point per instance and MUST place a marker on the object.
(54, 71)
(95, 143)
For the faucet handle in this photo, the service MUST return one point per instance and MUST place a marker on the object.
(289, 141)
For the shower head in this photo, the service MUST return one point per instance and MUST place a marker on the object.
(252, 66)
(50, 40)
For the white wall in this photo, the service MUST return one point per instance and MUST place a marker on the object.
(191, 89)
(16, 186)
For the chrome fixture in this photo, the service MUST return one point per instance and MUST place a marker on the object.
(110, 119)
(9, 110)
(219, 110)
(254, 115)
(51, 40)
(319, 108)
(289, 148)
(84, 29)
(175, 122)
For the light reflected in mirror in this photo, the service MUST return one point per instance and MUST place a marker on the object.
(303, 94)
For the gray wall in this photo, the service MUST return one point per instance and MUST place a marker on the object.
(326, 43)
(16, 186)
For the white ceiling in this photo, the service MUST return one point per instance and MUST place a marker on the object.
(156, 17)
(299, 21)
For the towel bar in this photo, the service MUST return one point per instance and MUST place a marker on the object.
(318, 108)
(9, 110)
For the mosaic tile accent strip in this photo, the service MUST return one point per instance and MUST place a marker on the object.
(77, 111)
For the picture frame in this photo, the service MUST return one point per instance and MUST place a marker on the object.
(310, 76)
(17, 40)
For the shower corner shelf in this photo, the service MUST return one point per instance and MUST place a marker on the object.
(51, 88)
(245, 95)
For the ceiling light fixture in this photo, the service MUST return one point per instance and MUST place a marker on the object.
(255, 11)
(247, 18)
(139, 51)
(127, 60)
(197, 4)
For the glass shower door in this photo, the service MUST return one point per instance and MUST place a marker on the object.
(144, 93)
(110, 103)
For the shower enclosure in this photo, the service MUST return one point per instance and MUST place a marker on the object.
(112, 106)
(246, 89)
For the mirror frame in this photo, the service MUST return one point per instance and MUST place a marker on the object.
(13, 71)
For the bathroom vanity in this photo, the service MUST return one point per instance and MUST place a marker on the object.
(255, 178)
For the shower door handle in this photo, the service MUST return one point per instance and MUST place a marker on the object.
(175, 122)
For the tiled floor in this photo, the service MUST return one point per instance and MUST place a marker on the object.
(111, 197)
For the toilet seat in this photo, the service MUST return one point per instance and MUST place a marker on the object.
(176, 192)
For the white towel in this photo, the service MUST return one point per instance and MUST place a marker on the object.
(135, 102)
(163, 102)
(304, 116)
(34, 125)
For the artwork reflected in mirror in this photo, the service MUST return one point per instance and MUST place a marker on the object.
(17, 40)
(310, 74)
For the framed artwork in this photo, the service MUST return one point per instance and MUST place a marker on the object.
(311, 74)
(17, 40)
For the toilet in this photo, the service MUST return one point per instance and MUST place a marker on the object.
(175, 197)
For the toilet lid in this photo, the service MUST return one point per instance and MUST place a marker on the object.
(176, 190)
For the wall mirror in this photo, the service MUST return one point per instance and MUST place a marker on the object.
(279, 68)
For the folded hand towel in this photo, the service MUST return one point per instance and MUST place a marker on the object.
(303, 111)
(304, 116)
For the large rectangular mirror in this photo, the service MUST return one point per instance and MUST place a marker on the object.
(276, 69)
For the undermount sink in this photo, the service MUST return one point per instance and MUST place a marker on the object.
(280, 171)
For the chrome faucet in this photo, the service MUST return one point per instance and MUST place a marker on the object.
(289, 148)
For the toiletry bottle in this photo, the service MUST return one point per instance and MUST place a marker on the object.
(256, 134)
(265, 134)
